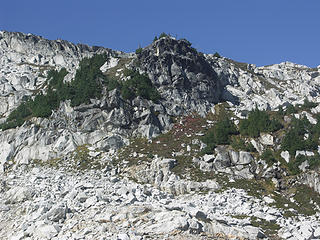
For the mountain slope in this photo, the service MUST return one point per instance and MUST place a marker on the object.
(145, 133)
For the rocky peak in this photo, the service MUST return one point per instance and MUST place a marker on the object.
(187, 81)
(172, 45)
(177, 59)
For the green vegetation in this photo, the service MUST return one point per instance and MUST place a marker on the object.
(224, 132)
(139, 50)
(254, 187)
(138, 85)
(81, 159)
(217, 55)
(301, 135)
(16, 118)
(290, 110)
(270, 228)
(88, 81)
(113, 84)
(294, 139)
(293, 165)
(237, 143)
(269, 156)
(314, 161)
(183, 133)
(307, 105)
(220, 134)
(163, 35)
(307, 200)
(257, 122)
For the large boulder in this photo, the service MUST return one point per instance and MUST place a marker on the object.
(245, 158)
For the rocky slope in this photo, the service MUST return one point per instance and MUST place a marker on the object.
(118, 168)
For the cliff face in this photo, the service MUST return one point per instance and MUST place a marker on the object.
(92, 150)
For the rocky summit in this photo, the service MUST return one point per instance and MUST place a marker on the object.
(163, 143)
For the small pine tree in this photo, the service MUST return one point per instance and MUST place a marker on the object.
(155, 39)
(139, 50)
(217, 55)
(163, 35)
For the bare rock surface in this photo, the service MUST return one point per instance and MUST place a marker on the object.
(101, 205)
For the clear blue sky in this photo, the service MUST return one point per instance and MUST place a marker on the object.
(253, 31)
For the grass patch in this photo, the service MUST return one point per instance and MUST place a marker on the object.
(185, 168)
(270, 229)
(81, 159)
(78, 160)
(306, 201)
(255, 188)
(51, 163)
(112, 73)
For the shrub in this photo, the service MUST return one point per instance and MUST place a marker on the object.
(238, 144)
(308, 105)
(21, 112)
(223, 130)
(163, 35)
(113, 84)
(268, 156)
(292, 142)
(187, 41)
(294, 139)
(208, 149)
(294, 164)
(257, 122)
(17, 117)
(127, 93)
(87, 83)
(217, 55)
(139, 50)
(220, 134)
(139, 85)
(290, 109)
(314, 162)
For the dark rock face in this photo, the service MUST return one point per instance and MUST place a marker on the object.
(185, 79)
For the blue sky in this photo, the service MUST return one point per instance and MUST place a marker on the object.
(253, 31)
